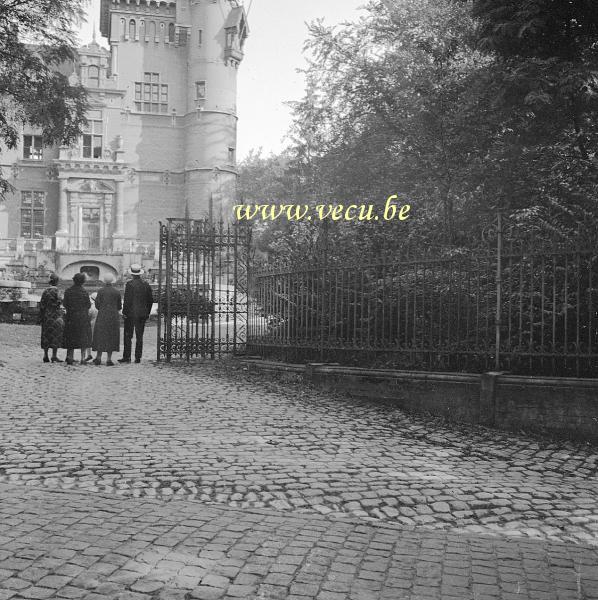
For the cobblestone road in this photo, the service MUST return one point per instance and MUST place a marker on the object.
(146, 481)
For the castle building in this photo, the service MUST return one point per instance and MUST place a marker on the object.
(160, 142)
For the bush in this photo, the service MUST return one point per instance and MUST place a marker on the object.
(184, 302)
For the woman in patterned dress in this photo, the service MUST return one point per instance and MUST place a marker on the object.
(51, 320)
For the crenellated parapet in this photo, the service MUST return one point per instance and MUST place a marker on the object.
(138, 11)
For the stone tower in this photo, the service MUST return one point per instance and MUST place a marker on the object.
(176, 62)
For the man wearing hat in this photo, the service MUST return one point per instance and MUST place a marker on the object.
(137, 306)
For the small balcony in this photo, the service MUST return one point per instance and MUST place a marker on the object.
(18, 249)
(83, 245)
(106, 246)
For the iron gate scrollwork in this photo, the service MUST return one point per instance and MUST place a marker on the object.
(202, 289)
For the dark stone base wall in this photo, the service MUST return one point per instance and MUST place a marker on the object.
(559, 407)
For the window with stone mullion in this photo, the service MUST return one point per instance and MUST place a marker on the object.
(92, 140)
(151, 96)
(32, 214)
(33, 147)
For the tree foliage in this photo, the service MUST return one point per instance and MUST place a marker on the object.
(37, 45)
(278, 179)
(462, 107)
(545, 80)
(545, 29)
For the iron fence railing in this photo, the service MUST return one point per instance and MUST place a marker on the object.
(522, 303)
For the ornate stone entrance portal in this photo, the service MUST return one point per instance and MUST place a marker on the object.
(90, 216)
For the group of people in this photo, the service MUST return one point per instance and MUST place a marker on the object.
(93, 323)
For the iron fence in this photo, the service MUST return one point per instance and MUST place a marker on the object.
(522, 302)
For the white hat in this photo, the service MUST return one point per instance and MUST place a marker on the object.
(108, 278)
(136, 269)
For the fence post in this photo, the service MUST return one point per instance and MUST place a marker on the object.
(499, 241)
(322, 285)
(215, 237)
(160, 303)
(168, 320)
(188, 284)
(235, 281)
(249, 280)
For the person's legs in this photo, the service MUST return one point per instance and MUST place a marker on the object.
(98, 359)
(55, 354)
(83, 354)
(109, 359)
(69, 355)
(46, 357)
(127, 339)
(139, 329)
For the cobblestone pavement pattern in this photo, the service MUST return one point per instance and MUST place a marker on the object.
(155, 481)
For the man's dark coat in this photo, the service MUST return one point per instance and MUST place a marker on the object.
(138, 299)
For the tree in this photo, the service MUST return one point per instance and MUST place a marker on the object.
(538, 29)
(276, 180)
(262, 180)
(545, 80)
(394, 105)
(37, 50)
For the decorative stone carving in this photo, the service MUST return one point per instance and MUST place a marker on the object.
(93, 186)
(52, 172)
(74, 214)
(108, 208)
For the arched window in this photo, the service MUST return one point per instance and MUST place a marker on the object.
(93, 76)
(132, 29)
(152, 30)
(123, 29)
(142, 30)
(171, 33)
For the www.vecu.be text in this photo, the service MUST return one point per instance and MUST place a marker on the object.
(393, 210)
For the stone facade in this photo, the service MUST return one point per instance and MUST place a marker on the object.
(160, 142)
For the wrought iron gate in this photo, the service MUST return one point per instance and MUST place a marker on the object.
(202, 289)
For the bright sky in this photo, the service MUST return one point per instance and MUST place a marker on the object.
(273, 53)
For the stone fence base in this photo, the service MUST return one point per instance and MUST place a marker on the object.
(560, 407)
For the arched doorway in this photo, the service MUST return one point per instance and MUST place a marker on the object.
(91, 271)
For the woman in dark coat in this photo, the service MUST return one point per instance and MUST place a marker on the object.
(106, 333)
(51, 320)
(76, 323)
